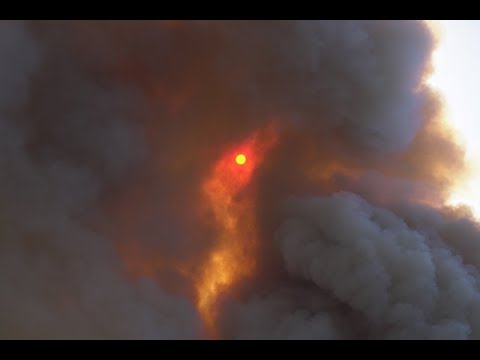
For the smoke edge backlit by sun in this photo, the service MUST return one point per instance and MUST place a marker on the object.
(452, 45)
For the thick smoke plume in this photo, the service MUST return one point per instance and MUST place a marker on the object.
(111, 128)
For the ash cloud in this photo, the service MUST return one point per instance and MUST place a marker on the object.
(60, 279)
(407, 280)
(109, 128)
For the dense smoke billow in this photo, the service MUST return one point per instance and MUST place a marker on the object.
(110, 128)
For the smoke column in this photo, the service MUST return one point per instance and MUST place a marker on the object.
(123, 214)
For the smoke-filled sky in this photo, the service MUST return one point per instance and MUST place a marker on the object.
(125, 215)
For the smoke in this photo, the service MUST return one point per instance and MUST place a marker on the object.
(405, 279)
(59, 278)
(110, 129)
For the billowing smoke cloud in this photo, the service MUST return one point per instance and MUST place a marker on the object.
(58, 278)
(406, 279)
(109, 130)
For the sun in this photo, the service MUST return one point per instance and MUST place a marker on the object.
(241, 159)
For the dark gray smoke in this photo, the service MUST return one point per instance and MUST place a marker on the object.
(109, 129)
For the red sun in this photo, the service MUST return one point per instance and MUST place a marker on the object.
(241, 159)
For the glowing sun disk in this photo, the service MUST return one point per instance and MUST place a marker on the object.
(241, 159)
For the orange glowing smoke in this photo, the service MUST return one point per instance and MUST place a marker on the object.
(233, 256)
